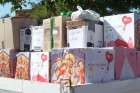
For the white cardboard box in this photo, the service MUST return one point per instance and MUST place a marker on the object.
(25, 39)
(39, 69)
(37, 36)
(82, 65)
(122, 30)
(82, 34)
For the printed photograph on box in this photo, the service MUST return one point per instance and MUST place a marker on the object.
(23, 66)
(7, 62)
(81, 65)
(39, 68)
(67, 65)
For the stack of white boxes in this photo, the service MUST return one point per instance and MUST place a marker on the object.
(79, 63)
(96, 65)
(32, 42)
(32, 39)
(97, 52)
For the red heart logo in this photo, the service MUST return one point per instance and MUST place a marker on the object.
(109, 57)
(126, 20)
(120, 42)
(44, 57)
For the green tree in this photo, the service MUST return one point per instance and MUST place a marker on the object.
(47, 8)
(16, 4)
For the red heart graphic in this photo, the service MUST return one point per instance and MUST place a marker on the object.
(109, 57)
(126, 20)
(44, 57)
(120, 42)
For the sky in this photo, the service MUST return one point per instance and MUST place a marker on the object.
(6, 9)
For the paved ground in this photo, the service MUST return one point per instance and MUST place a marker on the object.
(4, 91)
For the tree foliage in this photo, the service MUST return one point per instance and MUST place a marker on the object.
(47, 8)
(16, 4)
